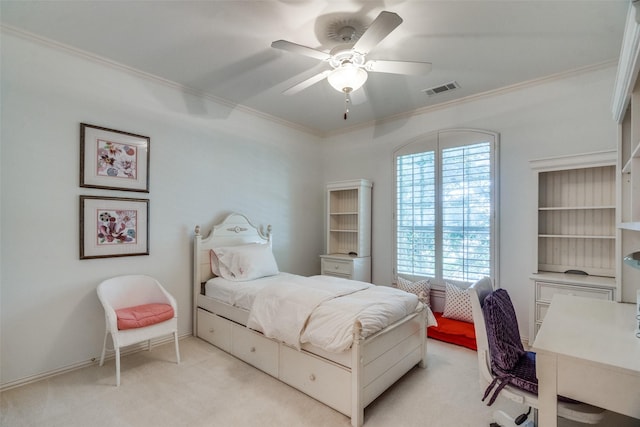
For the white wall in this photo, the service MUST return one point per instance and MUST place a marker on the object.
(206, 160)
(557, 117)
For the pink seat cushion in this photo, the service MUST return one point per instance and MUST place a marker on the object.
(143, 315)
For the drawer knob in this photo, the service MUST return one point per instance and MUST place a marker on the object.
(312, 377)
(335, 267)
(211, 330)
(252, 350)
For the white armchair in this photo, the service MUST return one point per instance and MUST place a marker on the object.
(137, 308)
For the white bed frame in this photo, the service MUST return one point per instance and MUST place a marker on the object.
(347, 382)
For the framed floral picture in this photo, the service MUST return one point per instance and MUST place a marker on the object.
(113, 159)
(113, 227)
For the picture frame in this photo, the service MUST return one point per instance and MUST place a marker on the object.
(114, 160)
(113, 227)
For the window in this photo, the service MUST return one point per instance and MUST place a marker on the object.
(445, 206)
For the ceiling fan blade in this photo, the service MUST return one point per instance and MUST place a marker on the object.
(307, 83)
(398, 67)
(378, 30)
(300, 49)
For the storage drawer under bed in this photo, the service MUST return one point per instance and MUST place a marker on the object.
(320, 379)
(255, 349)
(214, 330)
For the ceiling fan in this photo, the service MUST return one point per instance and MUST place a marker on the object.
(349, 67)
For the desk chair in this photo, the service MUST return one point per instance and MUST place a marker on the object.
(579, 412)
(136, 308)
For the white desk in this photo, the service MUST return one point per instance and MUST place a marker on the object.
(587, 350)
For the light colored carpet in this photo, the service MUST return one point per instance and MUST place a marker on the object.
(211, 388)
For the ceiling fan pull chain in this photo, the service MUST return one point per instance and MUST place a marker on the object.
(346, 104)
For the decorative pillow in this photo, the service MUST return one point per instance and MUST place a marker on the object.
(215, 264)
(421, 288)
(457, 303)
(246, 262)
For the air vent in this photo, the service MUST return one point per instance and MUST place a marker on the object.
(442, 88)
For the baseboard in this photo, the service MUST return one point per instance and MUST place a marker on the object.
(93, 361)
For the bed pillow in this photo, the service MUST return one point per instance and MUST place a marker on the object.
(422, 288)
(214, 263)
(246, 262)
(457, 303)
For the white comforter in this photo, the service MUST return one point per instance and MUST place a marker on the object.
(322, 310)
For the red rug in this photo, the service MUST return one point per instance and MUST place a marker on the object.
(453, 331)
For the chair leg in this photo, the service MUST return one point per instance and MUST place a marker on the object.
(175, 338)
(104, 348)
(117, 366)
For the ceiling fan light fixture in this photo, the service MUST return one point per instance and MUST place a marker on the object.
(347, 78)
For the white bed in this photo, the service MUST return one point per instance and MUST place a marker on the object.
(346, 381)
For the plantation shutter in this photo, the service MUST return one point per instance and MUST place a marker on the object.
(444, 196)
(466, 212)
(416, 214)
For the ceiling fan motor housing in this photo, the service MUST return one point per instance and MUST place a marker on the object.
(347, 30)
(344, 55)
(347, 34)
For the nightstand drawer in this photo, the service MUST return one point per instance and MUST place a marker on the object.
(336, 267)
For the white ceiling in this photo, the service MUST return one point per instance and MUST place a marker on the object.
(222, 48)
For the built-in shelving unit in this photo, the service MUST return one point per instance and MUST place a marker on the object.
(626, 112)
(577, 219)
(348, 230)
(577, 234)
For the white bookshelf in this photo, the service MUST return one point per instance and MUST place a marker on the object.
(348, 230)
(576, 230)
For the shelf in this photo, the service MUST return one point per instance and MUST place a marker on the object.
(577, 217)
(348, 210)
(634, 226)
(573, 236)
(575, 208)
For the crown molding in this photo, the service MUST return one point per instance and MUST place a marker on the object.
(628, 65)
